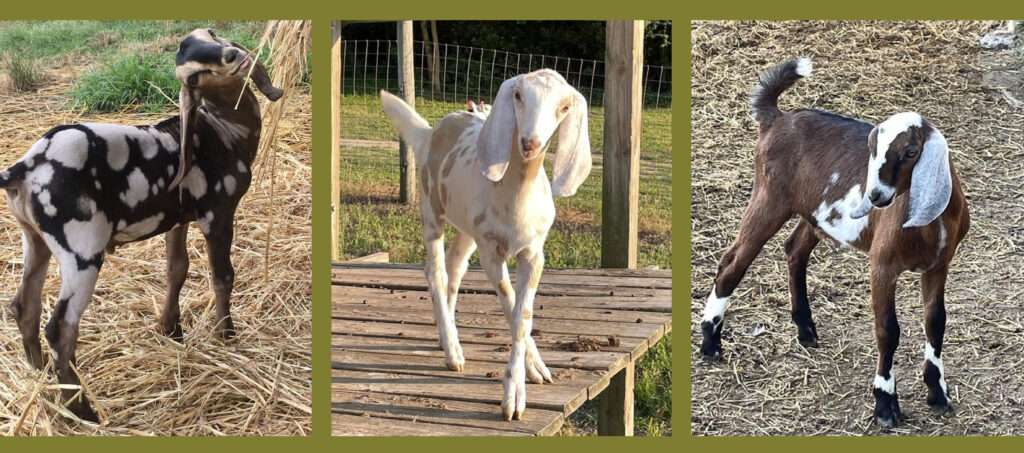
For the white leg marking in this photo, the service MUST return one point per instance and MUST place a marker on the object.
(715, 307)
(929, 355)
(886, 385)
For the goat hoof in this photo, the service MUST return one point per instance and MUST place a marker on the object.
(175, 333)
(712, 356)
(887, 409)
(939, 404)
(83, 411)
(808, 342)
(227, 329)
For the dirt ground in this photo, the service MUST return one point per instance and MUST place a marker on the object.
(141, 382)
(767, 383)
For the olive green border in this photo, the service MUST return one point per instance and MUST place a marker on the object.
(678, 11)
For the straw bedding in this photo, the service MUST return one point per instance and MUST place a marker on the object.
(141, 382)
(768, 383)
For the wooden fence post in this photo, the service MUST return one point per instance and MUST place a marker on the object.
(622, 109)
(615, 405)
(336, 75)
(406, 159)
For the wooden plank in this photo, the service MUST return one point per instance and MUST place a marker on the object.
(498, 354)
(659, 303)
(538, 422)
(383, 274)
(548, 308)
(541, 326)
(472, 335)
(615, 405)
(622, 109)
(336, 78)
(565, 395)
(407, 192)
(610, 272)
(355, 425)
(379, 257)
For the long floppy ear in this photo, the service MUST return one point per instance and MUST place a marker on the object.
(495, 141)
(572, 160)
(188, 102)
(931, 183)
(261, 79)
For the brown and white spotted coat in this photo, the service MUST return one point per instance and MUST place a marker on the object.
(482, 172)
(888, 190)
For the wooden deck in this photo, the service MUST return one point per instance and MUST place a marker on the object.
(389, 378)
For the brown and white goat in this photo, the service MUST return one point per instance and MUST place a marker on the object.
(887, 190)
(483, 172)
(83, 189)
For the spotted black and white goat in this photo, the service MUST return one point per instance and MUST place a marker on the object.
(83, 189)
(887, 190)
(482, 171)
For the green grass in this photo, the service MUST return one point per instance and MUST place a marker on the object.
(374, 221)
(24, 72)
(129, 81)
(125, 58)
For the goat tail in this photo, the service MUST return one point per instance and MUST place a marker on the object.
(13, 175)
(413, 129)
(764, 101)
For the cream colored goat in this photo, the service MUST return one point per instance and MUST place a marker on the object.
(483, 173)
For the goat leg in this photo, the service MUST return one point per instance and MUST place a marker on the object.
(27, 302)
(76, 289)
(933, 289)
(218, 248)
(798, 251)
(887, 335)
(177, 270)
(531, 265)
(437, 280)
(497, 272)
(761, 220)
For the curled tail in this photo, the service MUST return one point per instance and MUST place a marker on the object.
(13, 175)
(764, 102)
(413, 129)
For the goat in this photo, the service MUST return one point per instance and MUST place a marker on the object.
(910, 216)
(483, 173)
(83, 189)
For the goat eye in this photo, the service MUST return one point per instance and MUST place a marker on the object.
(565, 109)
(193, 79)
(518, 97)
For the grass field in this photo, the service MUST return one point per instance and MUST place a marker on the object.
(374, 221)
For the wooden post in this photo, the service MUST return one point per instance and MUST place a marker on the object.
(622, 108)
(406, 159)
(615, 412)
(336, 74)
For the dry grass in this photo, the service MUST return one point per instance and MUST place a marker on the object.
(141, 382)
(768, 383)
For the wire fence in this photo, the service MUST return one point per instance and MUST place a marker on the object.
(446, 76)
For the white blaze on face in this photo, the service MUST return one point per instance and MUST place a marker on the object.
(888, 130)
(929, 355)
(715, 307)
(835, 218)
(886, 385)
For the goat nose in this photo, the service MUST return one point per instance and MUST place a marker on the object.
(231, 55)
(874, 196)
(530, 144)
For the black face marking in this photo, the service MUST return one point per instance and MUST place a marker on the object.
(199, 51)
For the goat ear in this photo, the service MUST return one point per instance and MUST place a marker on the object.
(495, 141)
(188, 102)
(262, 81)
(573, 159)
(931, 183)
